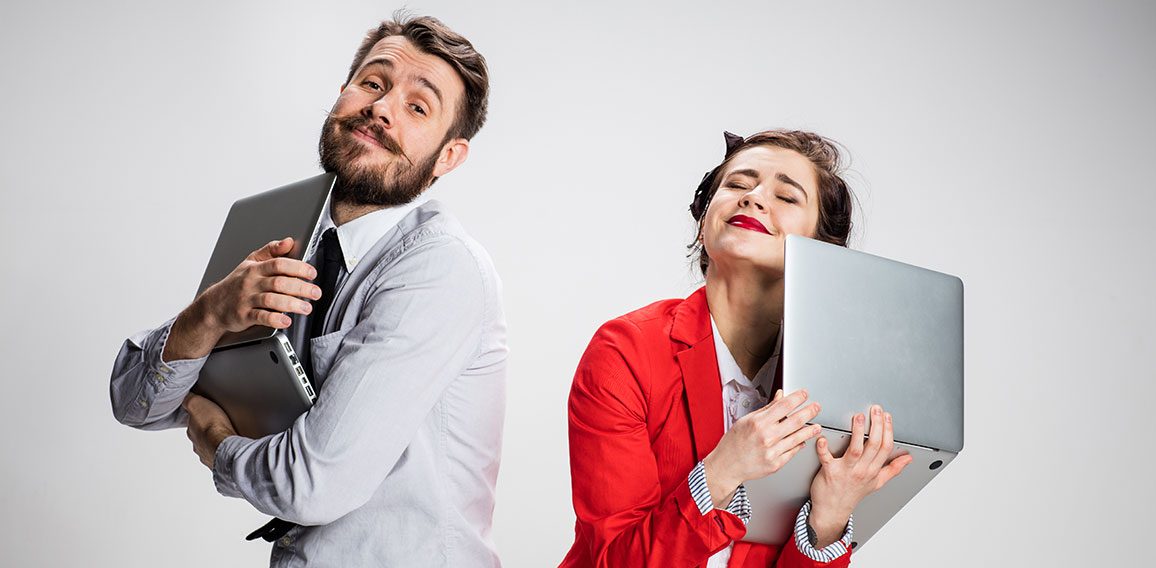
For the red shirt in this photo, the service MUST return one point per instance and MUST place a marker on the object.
(645, 408)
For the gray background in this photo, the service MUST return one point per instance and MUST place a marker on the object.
(1008, 143)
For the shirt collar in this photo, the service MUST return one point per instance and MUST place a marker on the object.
(728, 368)
(359, 235)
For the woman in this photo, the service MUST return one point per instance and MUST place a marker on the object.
(669, 410)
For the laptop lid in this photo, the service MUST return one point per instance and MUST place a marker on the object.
(292, 210)
(859, 329)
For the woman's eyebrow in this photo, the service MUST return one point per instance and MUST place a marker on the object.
(787, 180)
(745, 172)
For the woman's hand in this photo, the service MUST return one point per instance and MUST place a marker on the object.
(842, 482)
(759, 444)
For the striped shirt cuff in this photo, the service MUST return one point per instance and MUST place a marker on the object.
(828, 553)
(739, 506)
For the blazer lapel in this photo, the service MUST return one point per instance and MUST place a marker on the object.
(699, 367)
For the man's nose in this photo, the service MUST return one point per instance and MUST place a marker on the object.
(381, 109)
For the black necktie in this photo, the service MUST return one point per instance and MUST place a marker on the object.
(329, 268)
(330, 261)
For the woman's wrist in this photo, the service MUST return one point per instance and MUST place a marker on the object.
(722, 487)
(829, 523)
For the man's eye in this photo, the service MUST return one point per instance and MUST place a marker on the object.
(372, 85)
(418, 109)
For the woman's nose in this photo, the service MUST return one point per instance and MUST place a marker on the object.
(753, 199)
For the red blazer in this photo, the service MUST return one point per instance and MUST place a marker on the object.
(645, 407)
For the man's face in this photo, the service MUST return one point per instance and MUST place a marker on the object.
(386, 135)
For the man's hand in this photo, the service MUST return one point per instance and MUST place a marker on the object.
(260, 291)
(208, 427)
(842, 482)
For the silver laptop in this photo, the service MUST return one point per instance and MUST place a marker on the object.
(860, 330)
(255, 375)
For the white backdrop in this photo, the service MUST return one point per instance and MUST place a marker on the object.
(1008, 143)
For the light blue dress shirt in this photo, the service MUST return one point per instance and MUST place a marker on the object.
(397, 462)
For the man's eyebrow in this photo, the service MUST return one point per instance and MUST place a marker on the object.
(429, 85)
(421, 80)
(383, 62)
(787, 180)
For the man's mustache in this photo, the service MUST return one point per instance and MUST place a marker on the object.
(358, 122)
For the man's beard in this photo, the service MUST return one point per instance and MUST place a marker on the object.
(374, 184)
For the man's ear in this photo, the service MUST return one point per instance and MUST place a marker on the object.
(452, 155)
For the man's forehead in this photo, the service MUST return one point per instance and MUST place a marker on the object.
(398, 51)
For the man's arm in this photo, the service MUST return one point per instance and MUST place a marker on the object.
(155, 369)
(146, 392)
(260, 291)
(419, 329)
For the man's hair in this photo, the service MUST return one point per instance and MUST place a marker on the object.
(431, 36)
(835, 196)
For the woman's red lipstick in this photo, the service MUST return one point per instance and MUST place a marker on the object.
(747, 223)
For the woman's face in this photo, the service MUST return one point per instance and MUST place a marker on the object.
(766, 193)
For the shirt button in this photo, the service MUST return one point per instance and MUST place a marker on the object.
(286, 541)
(160, 378)
(747, 403)
(143, 404)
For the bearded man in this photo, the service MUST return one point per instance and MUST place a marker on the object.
(396, 463)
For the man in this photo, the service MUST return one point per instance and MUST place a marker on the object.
(396, 463)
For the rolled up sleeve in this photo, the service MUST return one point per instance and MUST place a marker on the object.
(145, 391)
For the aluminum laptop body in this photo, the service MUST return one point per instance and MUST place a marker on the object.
(860, 330)
(260, 384)
(255, 375)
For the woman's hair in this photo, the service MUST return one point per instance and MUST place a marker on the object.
(835, 197)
